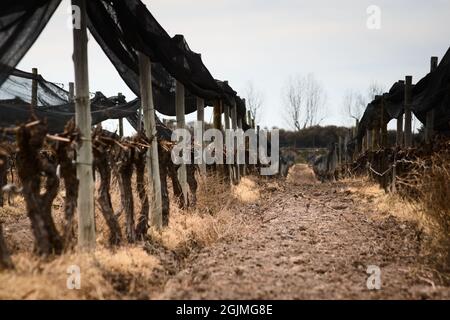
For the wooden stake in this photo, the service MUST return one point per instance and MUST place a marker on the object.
(384, 131)
(339, 150)
(399, 137)
(228, 127)
(217, 114)
(181, 124)
(234, 124)
(34, 90)
(86, 221)
(201, 119)
(429, 124)
(243, 166)
(408, 114)
(369, 140)
(147, 106)
(71, 92)
(119, 95)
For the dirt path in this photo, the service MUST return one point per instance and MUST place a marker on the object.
(298, 248)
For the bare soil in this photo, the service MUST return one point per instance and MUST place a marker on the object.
(307, 240)
(266, 239)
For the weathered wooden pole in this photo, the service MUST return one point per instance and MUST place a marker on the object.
(258, 129)
(228, 127)
(201, 120)
(119, 96)
(148, 108)
(217, 114)
(429, 124)
(384, 131)
(71, 92)
(369, 140)
(408, 114)
(34, 90)
(243, 167)
(359, 146)
(363, 145)
(346, 141)
(339, 150)
(234, 124)
(85, 205)
(181, 124)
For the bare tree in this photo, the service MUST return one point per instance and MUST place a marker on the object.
(354, 103)
(375, 89)
(254, 100)
(305, 98)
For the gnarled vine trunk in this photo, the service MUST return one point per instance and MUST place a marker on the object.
(32, 167)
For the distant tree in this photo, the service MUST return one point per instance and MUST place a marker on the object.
(375, 89)
(254, 101)
(355, 103)
(305, 98)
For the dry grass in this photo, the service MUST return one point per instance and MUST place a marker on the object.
(128, 271)
(388, 203)
(427, 186)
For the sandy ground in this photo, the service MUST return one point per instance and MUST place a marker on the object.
(308, 240)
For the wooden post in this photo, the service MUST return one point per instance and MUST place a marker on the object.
(346, 140)
(71, 92)
(34, 90)
(408, 114)
(147, 106)
(429, 124)
(243, 167)
(384, 131)
(258, 129)
(369, 140)
(119, 95)
(359, 146)
(339, 150)
(363, 145)
(228, 127)
(201, 119)
(181, 124)
(217, 115)
(86, 221)
(399, 137)
(234, 124)
(121, 127)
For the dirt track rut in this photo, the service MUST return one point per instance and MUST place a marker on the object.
(308, 240)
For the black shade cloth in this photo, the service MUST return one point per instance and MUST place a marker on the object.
(21, 23)
(432, 92)
(122, 28)
(53, 103)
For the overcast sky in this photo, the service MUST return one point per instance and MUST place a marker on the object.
(266, 42)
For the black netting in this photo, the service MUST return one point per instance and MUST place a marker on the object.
(19, 86)
(122, 28)
(21, 22)
(53, 103)
(432, 92)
